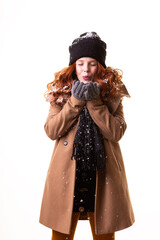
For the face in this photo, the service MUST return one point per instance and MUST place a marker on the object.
(86, 68)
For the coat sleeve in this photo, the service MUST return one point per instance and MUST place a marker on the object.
(60, 119)
(112, 125)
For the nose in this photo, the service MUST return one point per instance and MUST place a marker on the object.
(86, 68)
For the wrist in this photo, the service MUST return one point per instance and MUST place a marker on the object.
(76, 101)
(97, 101)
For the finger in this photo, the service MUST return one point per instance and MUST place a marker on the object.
(93, 88)
(79, 88)
(96, 88)
(76, 83)
(82, 91)
(86, 95)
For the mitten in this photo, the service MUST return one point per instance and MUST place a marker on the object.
(92, 91)
(78, 90)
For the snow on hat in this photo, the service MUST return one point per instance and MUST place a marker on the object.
(88, 44)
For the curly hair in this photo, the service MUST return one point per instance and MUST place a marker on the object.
(109, 79)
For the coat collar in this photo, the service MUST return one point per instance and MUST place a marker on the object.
(114, 103)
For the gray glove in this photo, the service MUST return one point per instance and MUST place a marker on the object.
(92, 91)
(78, 90)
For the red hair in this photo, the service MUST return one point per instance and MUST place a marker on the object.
(60, 89)
(109, 80)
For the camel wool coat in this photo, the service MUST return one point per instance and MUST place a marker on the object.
(113, 209)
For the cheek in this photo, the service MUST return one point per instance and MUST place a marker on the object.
(78, 71)
(95, 70)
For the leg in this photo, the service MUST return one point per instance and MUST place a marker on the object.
(109, 236)
(62, 236)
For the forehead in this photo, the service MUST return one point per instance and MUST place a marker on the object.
(86, 59)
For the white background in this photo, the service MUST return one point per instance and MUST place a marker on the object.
(34, 41)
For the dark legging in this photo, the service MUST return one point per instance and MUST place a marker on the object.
(75, 217)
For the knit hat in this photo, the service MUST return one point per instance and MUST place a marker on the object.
(88, 44)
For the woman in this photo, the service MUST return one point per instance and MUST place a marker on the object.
(86, 178)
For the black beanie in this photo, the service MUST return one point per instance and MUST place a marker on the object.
(88, 44)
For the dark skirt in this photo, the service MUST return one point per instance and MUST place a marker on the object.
(84, 193)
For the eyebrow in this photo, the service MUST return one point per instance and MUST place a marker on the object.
(88, 61)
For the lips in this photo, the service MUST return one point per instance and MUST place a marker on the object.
(86, 77)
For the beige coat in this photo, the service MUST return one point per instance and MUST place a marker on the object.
(113, 209)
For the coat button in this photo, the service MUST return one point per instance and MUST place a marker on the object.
(65, 143)
(83, 189)
(81, 209)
